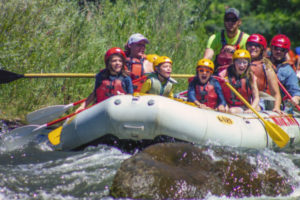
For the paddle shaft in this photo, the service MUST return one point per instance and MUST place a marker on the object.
(78, 102)
(288, 94)
(60, 119)
(7, 76)
(83, 75)
(244, 101)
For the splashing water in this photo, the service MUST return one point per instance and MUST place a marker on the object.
(35, 171)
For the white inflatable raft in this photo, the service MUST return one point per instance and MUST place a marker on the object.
(150, 116)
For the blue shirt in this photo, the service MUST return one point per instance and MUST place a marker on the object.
(288, 78)
(126, 81)
(214, 82)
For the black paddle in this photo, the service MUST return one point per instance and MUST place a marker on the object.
(7, 76)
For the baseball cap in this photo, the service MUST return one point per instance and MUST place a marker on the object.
(136, 38)
(234, 11)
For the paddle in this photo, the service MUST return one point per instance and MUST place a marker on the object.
(266, 96)
(288, 94)
(50, 113)
(181, 95)
(28, 130)
(7, 76)
(279, 136)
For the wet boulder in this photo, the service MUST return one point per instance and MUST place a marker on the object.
(181, 170)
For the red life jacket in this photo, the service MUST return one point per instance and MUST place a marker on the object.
(225, 57)
(241, 85)
(109, 88)
(136, 68)
(292, 57)
(259, 70)
(206, 94)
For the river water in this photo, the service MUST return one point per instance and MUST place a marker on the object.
(35, 171)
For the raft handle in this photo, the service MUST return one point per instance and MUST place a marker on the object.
(134, 127)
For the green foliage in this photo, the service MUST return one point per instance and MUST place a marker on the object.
(267, 17)
(43, 36)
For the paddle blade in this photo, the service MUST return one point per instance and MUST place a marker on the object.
(6, 76)
(22, 131)
(54, 136)
(44, 115)
(279, 136)
(266, 96)
(19, 137)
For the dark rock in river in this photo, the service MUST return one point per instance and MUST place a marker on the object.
(180, 170)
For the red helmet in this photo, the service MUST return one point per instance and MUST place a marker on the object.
(112, 51)
(282, 41)
(259, 39)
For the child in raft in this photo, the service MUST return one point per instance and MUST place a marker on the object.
(241, 77)
(160, 82)
(112, 80)
(204, 90)
(263, 70)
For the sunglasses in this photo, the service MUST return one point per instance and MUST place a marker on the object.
(251, 44)
(279, 49)
(231, 19)
(204, 69)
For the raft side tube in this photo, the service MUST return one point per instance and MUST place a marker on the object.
(85, 127)
(133, 117)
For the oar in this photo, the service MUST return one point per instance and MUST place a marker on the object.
(50, 113)
(288, 94)
(279, 136)
(7, 76)
(25, 131)
(266, 96)
(181, 94)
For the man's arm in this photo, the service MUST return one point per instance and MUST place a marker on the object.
(208, 53)
(148, 67)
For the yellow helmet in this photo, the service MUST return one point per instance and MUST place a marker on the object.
(206, 63)
(241, 53)
(151, 57)
(160, 60)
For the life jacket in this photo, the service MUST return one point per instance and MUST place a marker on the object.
(259, 70)
(136, 69)
(225, 57)
(158, 88)
(242, 85)
(292, 57)
(206, 94)
(109, 88)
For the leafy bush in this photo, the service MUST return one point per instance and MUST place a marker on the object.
(43, 36)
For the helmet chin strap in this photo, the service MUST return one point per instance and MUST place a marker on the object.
(157, 71)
